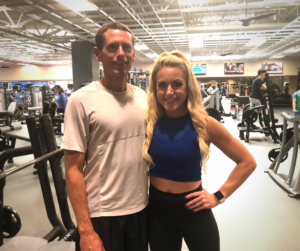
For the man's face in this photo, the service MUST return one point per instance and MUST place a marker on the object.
(117, 54)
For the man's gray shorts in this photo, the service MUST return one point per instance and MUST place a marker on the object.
(254, 102)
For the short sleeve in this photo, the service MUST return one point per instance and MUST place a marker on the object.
(76, 124)
(295, 96)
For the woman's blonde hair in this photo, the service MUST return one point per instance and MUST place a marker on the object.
(194, 103)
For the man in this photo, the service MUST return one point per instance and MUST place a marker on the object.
(223, 90)
(286, 89)
(105, 128)
(211, 87)
(296, 103)
(257, 86)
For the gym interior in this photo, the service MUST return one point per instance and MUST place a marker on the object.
(49, 43)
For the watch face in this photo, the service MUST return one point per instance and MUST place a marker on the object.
(219, 195)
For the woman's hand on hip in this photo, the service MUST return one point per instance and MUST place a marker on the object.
(202, 200)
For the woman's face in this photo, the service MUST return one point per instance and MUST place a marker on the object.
(171, 89)
(56, 90)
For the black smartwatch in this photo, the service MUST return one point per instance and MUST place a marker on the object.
(219, 196)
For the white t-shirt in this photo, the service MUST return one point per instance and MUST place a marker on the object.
(110, 127)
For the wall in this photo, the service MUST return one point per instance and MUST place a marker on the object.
(31, 72)
(216, 69)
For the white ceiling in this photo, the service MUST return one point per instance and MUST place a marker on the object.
(41, 31)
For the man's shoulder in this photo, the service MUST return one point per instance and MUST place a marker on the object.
(84, 92)
(257, 80)
(296, 94)
(138, 90)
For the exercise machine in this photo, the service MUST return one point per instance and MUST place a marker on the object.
(139, 78)
(249, 117)
(44, 148)
(290, 140)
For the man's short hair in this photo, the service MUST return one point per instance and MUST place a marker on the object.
(100, 37)
(261, 70)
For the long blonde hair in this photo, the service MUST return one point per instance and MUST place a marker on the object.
(194, 103)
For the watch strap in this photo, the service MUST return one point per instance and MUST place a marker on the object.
(219, 196)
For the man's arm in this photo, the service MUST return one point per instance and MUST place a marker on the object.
(74, 162)
(263, 87)
(294, 105)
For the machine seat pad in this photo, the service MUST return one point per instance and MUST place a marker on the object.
(59, 246)
(35, 108)
(24, 243)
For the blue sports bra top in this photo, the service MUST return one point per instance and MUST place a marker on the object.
(175, 150)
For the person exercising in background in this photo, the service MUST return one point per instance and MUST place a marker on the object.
(60, 99)
(257, 86)
(61, 102)
(223, 90)
(296, 103)
(286, 89)
(212, 87)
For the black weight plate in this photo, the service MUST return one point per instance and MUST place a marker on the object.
(11, 222)
(246, 108)
(274, 153)
(290, 134)
(249, 117)
(214, 113)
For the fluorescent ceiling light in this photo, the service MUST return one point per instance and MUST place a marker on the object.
(216, 57)
(103, 12)
(79, 5)
(185, 2)
(196, 43)
(293, 50)
(152, 55)
(196, 58)
(90, 20)
(257, 41)
(278, 56)
(141, 47)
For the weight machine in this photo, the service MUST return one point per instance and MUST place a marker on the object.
(290, 138)
(44, 147)
(139, 78)
(250, 116)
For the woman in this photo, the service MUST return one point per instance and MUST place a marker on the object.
(60, 99)
(179, 133)
(61, 102)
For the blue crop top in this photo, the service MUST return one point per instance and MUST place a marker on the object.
(175, 150)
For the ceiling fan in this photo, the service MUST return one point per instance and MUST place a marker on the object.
(246, 21)
(225, 54)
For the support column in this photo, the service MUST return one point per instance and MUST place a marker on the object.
(85, 66)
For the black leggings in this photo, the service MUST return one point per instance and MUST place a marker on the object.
(170, 221)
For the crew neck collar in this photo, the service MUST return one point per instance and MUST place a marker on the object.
(177, 118)
(115, 93)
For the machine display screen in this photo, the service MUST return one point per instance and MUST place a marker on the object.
(199, 69)
(273, 67)
(234, 68)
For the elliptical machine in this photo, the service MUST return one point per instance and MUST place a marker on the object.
(250, 116)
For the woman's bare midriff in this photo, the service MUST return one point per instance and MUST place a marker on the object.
(170, 186)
